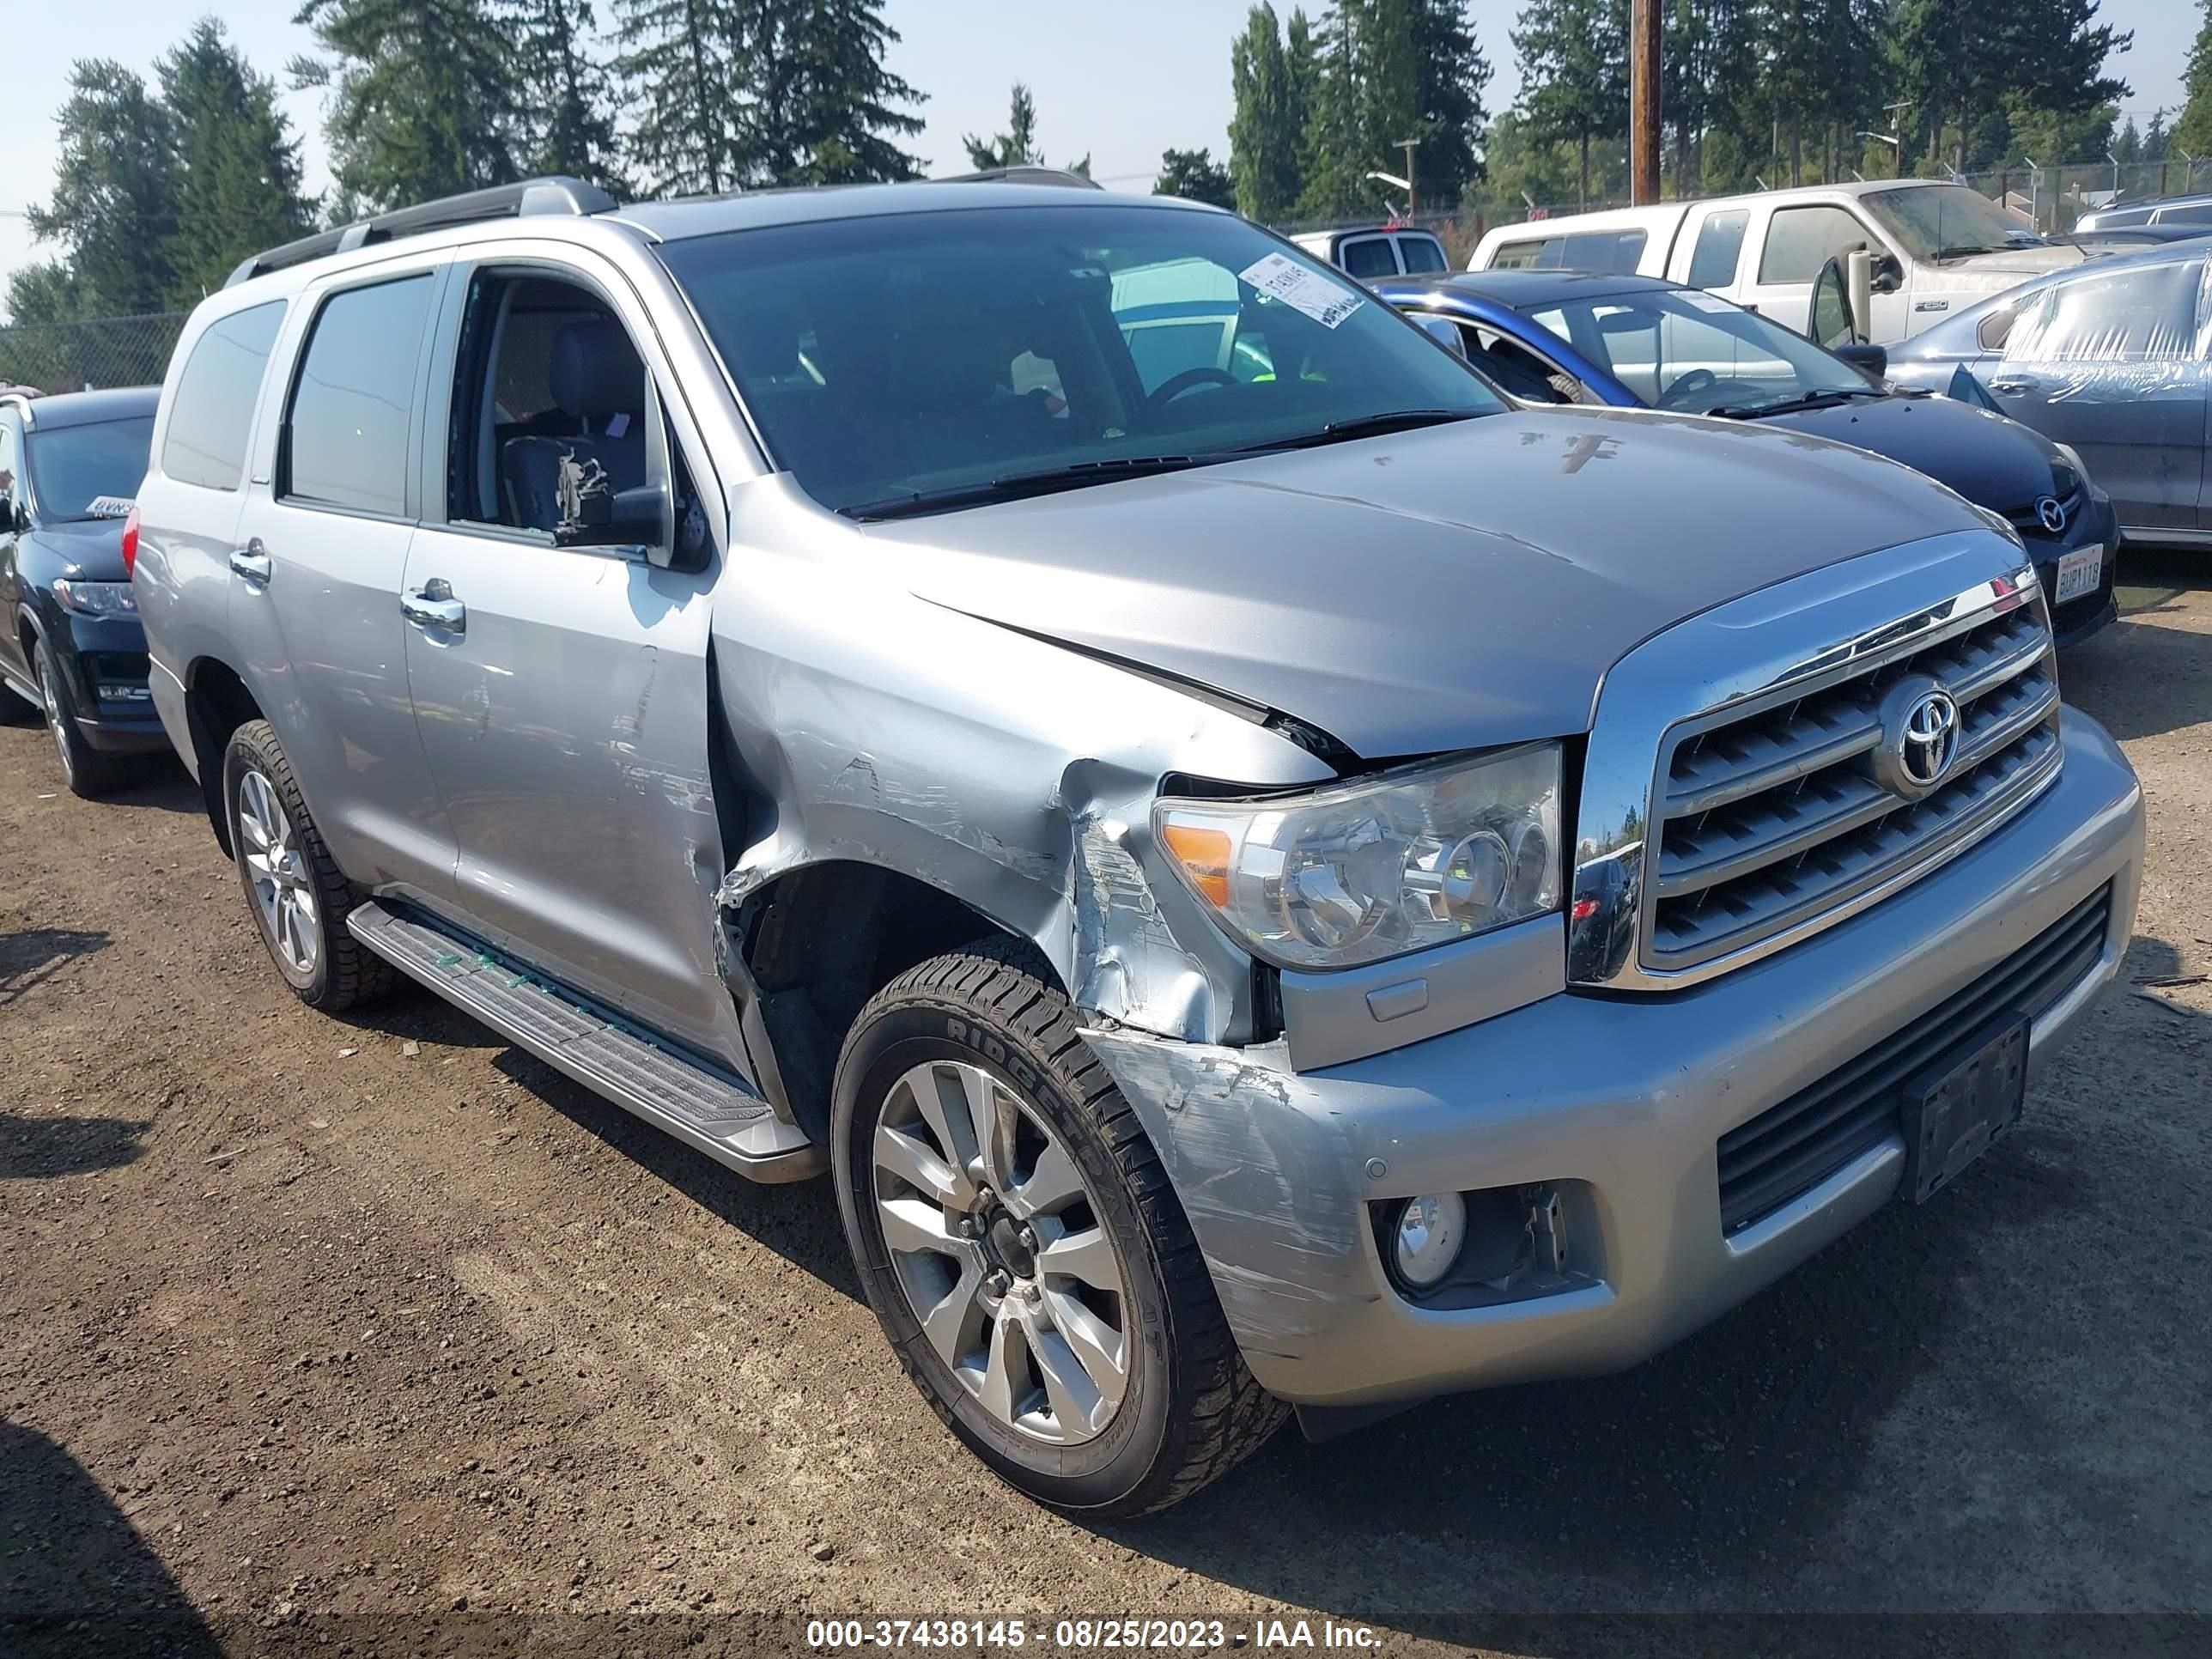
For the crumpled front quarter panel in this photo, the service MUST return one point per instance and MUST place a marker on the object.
(876, 726)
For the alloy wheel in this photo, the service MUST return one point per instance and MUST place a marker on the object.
(283, 888)
(1002, 1250)
(57, 720)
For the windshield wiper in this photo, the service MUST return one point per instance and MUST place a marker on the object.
(1364, 426)
(1794, 405)
(1014, 486)
(1959, 252)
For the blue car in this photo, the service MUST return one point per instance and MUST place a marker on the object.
(1565, 337)
(73, 647)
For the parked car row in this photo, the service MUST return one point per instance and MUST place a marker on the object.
(1271, 873)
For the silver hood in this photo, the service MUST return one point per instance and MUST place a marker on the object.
(1451, 587)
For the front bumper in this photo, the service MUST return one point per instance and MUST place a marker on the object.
(106, 659)
(1621, 1099)
(2097, 524)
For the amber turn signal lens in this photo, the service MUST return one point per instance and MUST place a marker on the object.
(1204, 855)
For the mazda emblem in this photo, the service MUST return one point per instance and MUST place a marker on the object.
(1919, 737)
(2051, 513)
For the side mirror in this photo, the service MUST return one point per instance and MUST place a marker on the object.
(1889, 275)
(592, 515)
(1871, 361)
(1445, 333)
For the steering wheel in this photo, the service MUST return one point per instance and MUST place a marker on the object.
(1175, 385)
(1697, 380)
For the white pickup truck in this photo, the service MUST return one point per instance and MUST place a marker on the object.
(1937, 248)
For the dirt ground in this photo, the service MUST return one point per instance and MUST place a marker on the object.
(378, 1335)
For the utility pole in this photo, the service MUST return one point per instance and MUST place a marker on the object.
(1643, 101)
(1407, 145)
(1896, 113)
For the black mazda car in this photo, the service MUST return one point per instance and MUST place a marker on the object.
(73, 648)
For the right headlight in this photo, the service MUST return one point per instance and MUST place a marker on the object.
(1378, 866)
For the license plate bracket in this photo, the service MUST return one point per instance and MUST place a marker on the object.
(1958, 1107)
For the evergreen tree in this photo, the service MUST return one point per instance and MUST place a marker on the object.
(2056, 52)
(2192, 130)
(422, 97)
(114, 204)
(1014, 148)
(238, 163)
(687, 70)
(565, 104)
(2155, 138)
(1267, 134)
(1446, 110)
(1195, 176)
(1336, 161)
(826, 113)
(1574, 69)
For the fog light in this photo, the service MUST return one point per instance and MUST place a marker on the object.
(1429, 1231)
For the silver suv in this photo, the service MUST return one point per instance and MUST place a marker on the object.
(1267, 876)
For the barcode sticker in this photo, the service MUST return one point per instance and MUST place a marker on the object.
(1302, 288)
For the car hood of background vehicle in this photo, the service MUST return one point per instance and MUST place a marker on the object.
(1450, 587)
(88, 550)
(1992, 461)
(1992, 272)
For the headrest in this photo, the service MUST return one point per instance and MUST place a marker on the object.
(595, 371)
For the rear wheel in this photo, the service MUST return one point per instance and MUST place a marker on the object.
(1024, 1251)
(299, 896)
(87, 771)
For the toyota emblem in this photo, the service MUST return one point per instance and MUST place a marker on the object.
(1919, 737)
(2051, 513)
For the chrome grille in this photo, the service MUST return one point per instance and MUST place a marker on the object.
(1767, 818)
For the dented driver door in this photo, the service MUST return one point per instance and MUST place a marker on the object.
(560, 692)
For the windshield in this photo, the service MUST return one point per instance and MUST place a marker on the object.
(1939, 222)
(74, 467)
(1680, 349)
(935, 353)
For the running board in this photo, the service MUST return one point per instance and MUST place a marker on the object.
(706, 1110)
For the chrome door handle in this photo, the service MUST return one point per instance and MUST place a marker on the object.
(435, 607)
(2012, 386)
(252, 562)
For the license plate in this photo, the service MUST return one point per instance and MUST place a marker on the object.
(1956, 1108)
(2080, 571)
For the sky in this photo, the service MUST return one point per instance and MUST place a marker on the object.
(1120, 79)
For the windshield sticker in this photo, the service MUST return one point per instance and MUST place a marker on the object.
(109, 507)
(1302, 289)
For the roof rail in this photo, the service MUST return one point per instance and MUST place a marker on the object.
(1024, 175)
(532, 197)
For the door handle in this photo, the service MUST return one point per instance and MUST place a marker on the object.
(435, 607)
(2013, 385)
(252, 561)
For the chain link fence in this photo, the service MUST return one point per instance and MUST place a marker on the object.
(79, 356)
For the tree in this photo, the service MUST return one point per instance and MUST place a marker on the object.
(2192, 132)
(685, 71)
(564, 102)
(1014, 148)
(826, 100)
(1195, 176)
(422, 97)
(114, 204)
(238, 164)
(1574, 69)
(1267, 134)
(2057, 51)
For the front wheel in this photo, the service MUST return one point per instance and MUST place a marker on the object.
(299, 896)
(89, 773)
(1024, 1251)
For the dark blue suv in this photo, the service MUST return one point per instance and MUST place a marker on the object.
(69, 467)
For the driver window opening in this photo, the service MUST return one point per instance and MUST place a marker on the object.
(548, 377)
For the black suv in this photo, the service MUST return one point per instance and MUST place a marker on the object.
(69, 467)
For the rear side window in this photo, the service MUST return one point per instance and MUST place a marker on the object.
(210, 416)
(1615, 251)
(1801, 240)
(345, 435)
(1368, 257)
(1520, 256)
(2196, 212)
(1422, 255)
(2135, 314)
(1719, 249)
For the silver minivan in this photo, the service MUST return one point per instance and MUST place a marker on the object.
(1267, 877)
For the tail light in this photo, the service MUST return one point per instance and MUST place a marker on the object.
(130, 544)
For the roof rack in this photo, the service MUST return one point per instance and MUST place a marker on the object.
(1024, 175)
(566, 197)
